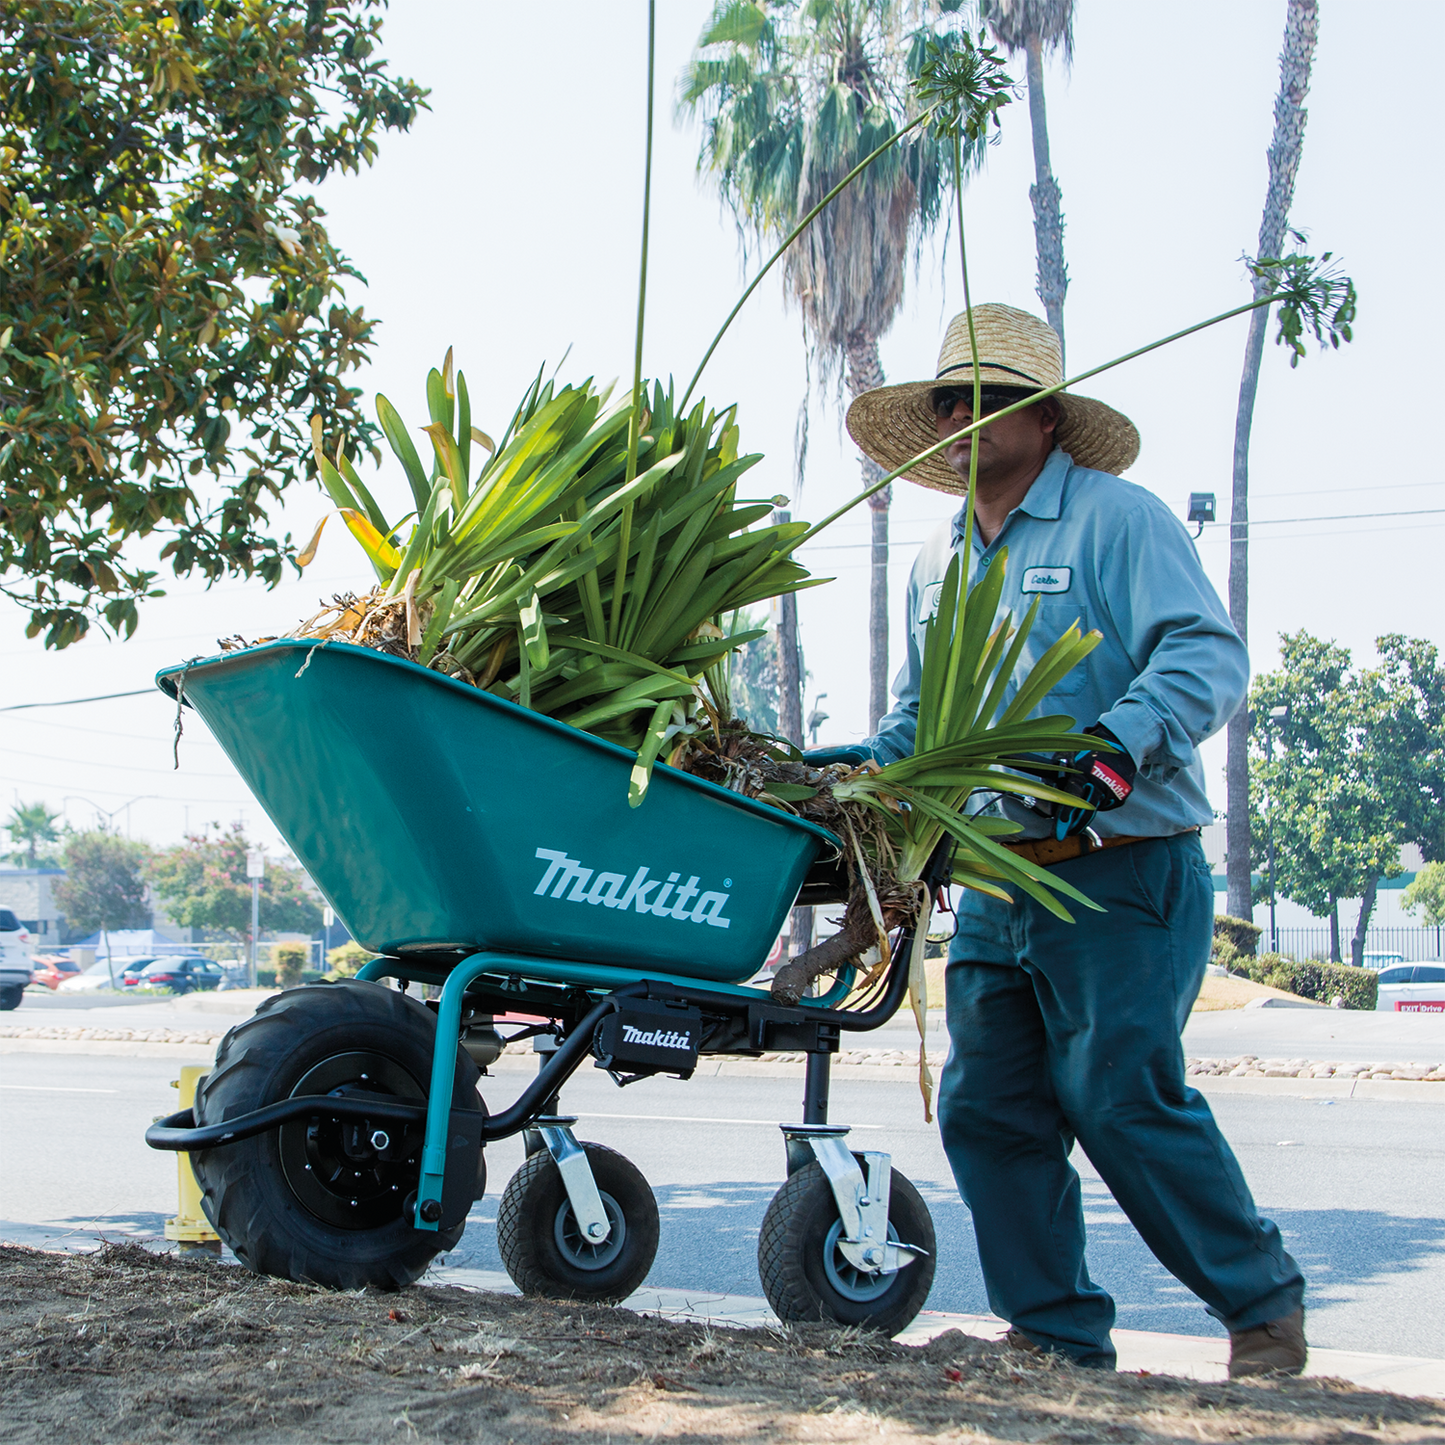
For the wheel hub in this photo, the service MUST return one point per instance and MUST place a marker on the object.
(580, 1251)
(349, 1172)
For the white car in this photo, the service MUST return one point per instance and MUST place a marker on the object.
(14, 960)
(1377, 961)
(96, 977)
(1412, 988)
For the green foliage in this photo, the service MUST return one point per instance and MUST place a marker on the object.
(1239, 933)
(550, 579)
(973, 720)
(171, 307)
(1313, 296)
(792, 98)
(347, 960)
(289, 959)
(1356, 771)
(105, 882)
(1322, 982)
(1427, 892)
(203, 884)
(965, 83)
(32, 830)
(754, 680)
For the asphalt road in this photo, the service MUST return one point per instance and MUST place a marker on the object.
(1355, 1185)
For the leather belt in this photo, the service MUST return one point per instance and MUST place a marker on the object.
(1045, 852)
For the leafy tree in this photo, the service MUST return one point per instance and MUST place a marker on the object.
(792, 98)
(203, 884)
(1356, 771)
(32, 829)
(104, 886)
(171, 313)
(1427, 893)
(1037, 26)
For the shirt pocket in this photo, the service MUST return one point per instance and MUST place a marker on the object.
(1052, 622)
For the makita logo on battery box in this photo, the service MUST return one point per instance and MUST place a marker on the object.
(566, 878)
(657, 1038)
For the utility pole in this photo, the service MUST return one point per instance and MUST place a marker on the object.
(255, 871)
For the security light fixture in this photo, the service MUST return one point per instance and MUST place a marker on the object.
(1201, 509)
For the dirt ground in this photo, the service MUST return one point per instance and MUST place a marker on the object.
(127, 1346)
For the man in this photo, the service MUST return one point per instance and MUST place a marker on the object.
(1064, 1032)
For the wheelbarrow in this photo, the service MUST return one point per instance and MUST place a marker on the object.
(479, 847)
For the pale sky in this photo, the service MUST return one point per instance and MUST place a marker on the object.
(506, 224)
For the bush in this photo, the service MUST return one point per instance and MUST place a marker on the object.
(289, 959)
(1322, 982)
(344, 962)
(1239, 933)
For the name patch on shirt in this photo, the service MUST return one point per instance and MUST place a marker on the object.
(1046, 579)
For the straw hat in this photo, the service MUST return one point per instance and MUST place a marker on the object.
(895, 423)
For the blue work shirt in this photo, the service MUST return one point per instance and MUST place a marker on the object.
(1170, 671)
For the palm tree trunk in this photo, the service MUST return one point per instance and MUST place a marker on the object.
(865, 373)
(1301, 30)
(1362, 923)
(790, 721)
(1053, 275)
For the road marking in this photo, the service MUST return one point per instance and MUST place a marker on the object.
(59, 1089)
(690, 1119)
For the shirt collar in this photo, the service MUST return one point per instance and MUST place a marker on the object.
(1044, 500)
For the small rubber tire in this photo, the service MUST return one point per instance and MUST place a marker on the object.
(806, 1278)
(10, 997)
(277, 1227)
(548, 1259)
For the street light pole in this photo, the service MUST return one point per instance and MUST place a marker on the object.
(255, 871)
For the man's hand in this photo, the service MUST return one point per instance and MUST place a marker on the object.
(1101, 781)
(853, 754)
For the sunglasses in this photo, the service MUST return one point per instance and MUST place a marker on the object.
(991, 399)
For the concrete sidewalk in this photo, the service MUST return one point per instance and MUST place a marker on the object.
(1194, 1357)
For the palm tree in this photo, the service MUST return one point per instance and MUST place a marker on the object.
(793, 97)
(1037, 26)
(31, 827)
(1301, 31)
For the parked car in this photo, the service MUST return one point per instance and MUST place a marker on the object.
(1412, 988)
(1381, 960)
(52, 969)
(180, 975)
(128, 970)
(14, 960)
(94, 979)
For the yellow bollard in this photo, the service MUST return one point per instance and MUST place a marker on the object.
(190, 1228)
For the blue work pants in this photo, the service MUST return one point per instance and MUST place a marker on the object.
(1071, 1031)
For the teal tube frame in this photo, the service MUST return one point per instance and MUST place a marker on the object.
(449, 1027)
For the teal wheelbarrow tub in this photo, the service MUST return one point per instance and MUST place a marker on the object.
(482, 848)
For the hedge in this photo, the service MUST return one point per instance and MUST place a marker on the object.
(1239, 932)
(289, 959)
(1322, 982)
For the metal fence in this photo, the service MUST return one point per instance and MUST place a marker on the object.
(1413, 944)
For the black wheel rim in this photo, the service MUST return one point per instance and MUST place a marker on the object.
(579, 1251)
(851, 1282)
(358, 1187)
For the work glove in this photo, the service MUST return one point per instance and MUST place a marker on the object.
(1102, 781)
(854, 755)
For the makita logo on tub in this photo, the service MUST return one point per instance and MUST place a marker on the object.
(661, 897)
(657, 1038)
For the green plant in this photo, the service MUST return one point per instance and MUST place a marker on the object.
(1322, 982)
(288, 960)
(1241, 935)
(1426, 891)
(172, 307)
(346, 960)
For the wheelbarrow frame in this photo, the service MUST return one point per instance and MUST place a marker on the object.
(741, 1021)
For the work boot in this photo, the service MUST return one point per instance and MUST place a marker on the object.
(1276, 1347)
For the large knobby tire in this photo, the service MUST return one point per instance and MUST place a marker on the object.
(544, 1251)
(289, 1202)
(805, 1276)
(11, 995)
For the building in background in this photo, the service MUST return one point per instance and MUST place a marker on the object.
(29, 894)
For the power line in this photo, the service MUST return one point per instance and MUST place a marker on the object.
(1342, 517)
(71, 701)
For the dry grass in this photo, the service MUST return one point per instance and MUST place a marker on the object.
(125, 1346)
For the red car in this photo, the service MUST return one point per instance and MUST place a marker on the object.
(52, 969)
